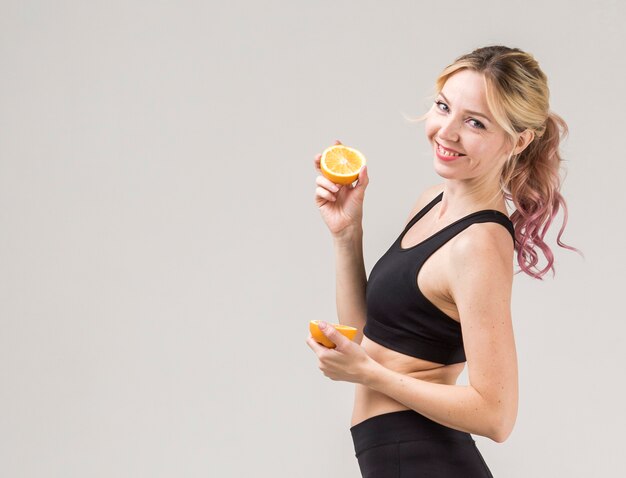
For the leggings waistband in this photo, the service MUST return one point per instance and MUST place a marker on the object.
(404, 425)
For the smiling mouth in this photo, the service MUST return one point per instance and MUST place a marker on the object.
(444, 152)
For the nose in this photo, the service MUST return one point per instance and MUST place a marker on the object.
(448, 130)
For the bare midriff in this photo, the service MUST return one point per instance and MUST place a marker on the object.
(369, 403)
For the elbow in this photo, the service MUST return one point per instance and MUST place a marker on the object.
(500, 435)
(502, 427)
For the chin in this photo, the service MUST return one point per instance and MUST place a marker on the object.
(445, 171)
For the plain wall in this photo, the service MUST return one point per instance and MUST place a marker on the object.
(161, 254)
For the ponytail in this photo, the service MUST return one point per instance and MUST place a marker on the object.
(531, 180)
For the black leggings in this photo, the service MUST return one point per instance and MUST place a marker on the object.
(407, 444)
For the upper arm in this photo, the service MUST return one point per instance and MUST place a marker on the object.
(480, 282)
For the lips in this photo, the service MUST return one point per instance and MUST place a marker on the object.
(443, 156)
(449, 150)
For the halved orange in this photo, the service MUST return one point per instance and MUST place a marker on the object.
(318, 335)
(341, 164)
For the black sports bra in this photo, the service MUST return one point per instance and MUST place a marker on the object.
(399, 316)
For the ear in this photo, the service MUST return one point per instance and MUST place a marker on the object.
(525, 138)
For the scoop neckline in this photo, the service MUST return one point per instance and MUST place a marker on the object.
(443, 229)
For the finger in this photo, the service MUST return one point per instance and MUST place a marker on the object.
(337, 141)
(363, 179)
(326, 183)
(316, 162)
(335, 337)
(324, 194)
(313, 345)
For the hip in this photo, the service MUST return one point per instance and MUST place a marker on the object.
(404, 442)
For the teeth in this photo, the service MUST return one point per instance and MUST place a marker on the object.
(446, 153)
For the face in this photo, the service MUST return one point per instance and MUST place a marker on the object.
(460, 121)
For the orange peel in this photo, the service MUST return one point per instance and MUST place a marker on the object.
(318, 335)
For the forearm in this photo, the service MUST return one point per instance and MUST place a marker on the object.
(351, 280)
(455, 406)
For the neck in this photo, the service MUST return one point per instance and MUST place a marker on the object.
(462, 197)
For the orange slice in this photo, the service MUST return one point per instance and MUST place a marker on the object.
(341, 164)
(318, 335)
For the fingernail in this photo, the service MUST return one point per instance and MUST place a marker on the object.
(321, 324)
(335, 188)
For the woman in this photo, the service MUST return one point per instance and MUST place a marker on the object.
(441, 295)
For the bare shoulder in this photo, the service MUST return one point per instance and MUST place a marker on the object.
(428, 195)
(485, 246)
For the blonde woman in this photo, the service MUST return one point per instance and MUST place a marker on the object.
(440, 297)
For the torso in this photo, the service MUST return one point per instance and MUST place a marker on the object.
(369, 403)
(432, 282)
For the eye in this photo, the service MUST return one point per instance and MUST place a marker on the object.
(439, 103)
(479, 125)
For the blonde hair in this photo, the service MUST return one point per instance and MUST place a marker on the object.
(518, 96)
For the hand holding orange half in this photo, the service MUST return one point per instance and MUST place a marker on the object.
(339, 201)
(318, 335)
(339, 356)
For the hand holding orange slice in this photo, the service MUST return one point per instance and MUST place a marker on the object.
(318, 335)
(341, 164)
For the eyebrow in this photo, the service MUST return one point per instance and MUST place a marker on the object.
(473, 113)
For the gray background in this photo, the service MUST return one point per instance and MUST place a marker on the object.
(161, 255)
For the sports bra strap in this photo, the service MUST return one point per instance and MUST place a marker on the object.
(486, 215)
(422, 212)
